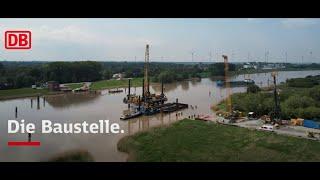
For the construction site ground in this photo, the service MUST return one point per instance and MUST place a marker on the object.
(297, 131)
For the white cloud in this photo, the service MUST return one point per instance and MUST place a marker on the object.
(298, 22)
(69, 33)
(252, 19)
(84, 36)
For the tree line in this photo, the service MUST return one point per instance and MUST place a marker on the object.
(64, 72)
(25, 74)
(298, 99)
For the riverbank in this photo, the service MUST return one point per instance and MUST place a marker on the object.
(255, 71)
(74, 85)
(108, 84)
(299, 98)
(99, 85)
(24, 92)
(190, 140)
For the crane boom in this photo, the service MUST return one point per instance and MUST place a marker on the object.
(146, 69)
(228, 90)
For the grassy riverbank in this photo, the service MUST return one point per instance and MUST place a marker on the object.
(106, 84)
(23, 92)
(299, 98)
(190, 140)
(99, 85)
(74, 85)
(255, 71)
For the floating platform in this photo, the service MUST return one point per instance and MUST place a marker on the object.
(246, 82)
(131, 115)
(171, 107)
(165, 108)
(115, 91)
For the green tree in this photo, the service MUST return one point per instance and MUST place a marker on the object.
(2, 69)
(310, 113)
(253, 88)
(107, 74)
(299, 102)
(315, 93)
(217, 69)
(167, 76)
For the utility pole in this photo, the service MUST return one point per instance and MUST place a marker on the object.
(192, 54)
(286, 58)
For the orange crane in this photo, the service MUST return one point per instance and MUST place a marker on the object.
(146, 76)
(227, 81)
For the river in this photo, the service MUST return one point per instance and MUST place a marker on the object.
(73, 108)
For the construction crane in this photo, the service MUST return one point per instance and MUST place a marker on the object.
(227, 82)
(276, 112)
(146, 70)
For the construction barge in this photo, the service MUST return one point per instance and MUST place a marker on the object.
(245, 82)
(165, 108)
(148, 104)
(112, 91)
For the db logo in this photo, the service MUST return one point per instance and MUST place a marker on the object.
(17, 39)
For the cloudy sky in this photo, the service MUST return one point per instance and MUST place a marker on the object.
(169, 39)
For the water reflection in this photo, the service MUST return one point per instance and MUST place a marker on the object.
(71, 99)
(169, 87)
(185, 85)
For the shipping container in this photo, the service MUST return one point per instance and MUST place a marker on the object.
(311, 124)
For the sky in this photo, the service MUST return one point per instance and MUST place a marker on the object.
(241, 39)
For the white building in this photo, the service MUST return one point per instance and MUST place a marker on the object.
(249, 66)
(117, 76)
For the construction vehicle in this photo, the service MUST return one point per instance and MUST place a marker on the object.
(276, 113)
(230, 113)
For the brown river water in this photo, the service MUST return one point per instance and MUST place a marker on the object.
(71, 108)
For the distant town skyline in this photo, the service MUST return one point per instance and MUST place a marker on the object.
(179, 40)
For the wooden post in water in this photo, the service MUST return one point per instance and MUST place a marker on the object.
(16, 112)
(162, 93)
(29, 137)
(177, 104)
(31, 101)
(129, 93)
(38, 102)
(139, 102)
(129, 88)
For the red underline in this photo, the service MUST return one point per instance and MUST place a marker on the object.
(24, 143)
